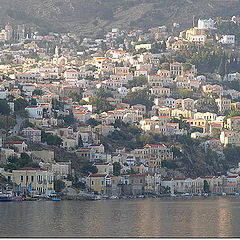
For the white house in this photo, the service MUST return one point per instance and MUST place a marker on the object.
(3, 94)
(170, 102)
(233, 76)
(205, 24)
(228, 39)
(198, 39)
(123, 91)
(71, 75)
(35, 111)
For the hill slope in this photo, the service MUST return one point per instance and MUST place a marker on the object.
(88, 16)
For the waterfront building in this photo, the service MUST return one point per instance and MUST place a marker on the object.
(40, 180)
(103, 184)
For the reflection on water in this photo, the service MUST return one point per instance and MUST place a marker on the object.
(122, 218)
(225, 218)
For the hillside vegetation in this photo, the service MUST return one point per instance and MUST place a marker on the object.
(91, 16)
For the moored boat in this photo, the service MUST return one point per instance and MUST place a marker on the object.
(56, 199)
(9, 196)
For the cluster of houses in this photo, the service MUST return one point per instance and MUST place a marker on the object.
(64, 82)
(146, 182)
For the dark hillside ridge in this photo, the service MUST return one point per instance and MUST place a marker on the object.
(89, 16)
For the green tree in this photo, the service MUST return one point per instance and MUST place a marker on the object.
(89, 168)
(69, 119)
(102, 93)
(15, 163)
(51, 139)
(137, 81)
(165, 66)
(93, 122)
(146, 139)
(184, 93)
(116, 168)
(206, 104)
(232, 113)
(37, 92)
(59, 185)
(221, 67)
(80, 141)
(23, 113)
(169, 164)
(182, 124)
(33, 102)
(140, 97)
(20, 104)
(75, 96)
(79, 185)
(206, 186)
(158, 47)
(4, 108)
(232, 154)
(102, 105)
(187, 66)
(226, 67)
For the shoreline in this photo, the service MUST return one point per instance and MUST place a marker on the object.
(170, 198)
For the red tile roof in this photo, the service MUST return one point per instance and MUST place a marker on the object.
(98, 175)
(100, 164)
(30, 168)
(137, 175)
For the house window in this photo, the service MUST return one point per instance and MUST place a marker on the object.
(102, 182)
(21, 178)
(32, 178)
(26, 178)
(92, 183)
(113, 182)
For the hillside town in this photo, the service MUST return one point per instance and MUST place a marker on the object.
(131, 113)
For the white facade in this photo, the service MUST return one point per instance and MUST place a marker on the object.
(123, 91)
(3, 94)
(35, 111)
(198, 38)
(170, 102)
(228, 39)
(233, 76)
(205, 24)
(71, 75)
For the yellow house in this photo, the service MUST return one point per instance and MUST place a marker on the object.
(235, 105)
(103, 184)
(41, 180)
(154, 164)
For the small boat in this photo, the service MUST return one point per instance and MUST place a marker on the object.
(114, 197)
(56, 199)
(9, 196)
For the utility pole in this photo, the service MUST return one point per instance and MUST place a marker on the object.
(193, 21)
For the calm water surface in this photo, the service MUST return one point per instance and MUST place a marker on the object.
(122, 218)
